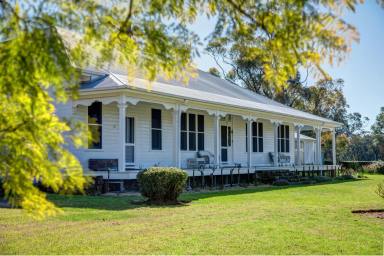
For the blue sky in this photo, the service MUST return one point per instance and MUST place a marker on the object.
(363, 69)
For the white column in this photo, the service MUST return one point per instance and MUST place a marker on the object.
(122, 114)
(250, 147)
(275, 140)
(298, 143)
(333, 147)
(176, 125)
(216, 132)
(318, 145)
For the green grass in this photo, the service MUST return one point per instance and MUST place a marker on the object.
(313, 219)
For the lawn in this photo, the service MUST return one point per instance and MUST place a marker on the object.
(313, 219)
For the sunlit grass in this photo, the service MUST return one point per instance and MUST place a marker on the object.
(294, 220)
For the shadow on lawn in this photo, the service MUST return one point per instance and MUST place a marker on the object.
(118, 203)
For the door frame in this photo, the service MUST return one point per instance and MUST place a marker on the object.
(130, 164)
(230, 154)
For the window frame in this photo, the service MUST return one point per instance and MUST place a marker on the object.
(283, 139)
(257, 137)
(96, 124)
(157, 129)
(188, 132)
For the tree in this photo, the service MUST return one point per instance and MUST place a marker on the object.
(378, 134)
(45, 42)
(355, 124)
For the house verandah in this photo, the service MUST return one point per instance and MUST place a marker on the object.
(141, 129)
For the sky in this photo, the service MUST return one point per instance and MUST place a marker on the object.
(362, 70)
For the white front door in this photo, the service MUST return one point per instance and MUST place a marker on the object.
(129, 141)
(226, 143)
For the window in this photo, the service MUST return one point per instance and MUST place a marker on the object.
(246, 137)
(129, 140)
(129, 130)
(283, 139)
(95, 125)
(257, 137)
(200, 132)
(156, 129)
(191, 132)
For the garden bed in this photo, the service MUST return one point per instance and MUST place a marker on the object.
(376, 213)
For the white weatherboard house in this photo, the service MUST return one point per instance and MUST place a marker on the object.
(135, 127)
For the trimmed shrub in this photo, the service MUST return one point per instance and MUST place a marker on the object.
(162, 184)
(345, 177)
(376, 167)
(281, 182)
(348, 172)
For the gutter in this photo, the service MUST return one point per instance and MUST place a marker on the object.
(124, 86)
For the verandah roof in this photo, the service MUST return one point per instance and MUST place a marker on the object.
(204, 88)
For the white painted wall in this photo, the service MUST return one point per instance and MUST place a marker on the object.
(145, 156)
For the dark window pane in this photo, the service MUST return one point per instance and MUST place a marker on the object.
(156, 118)
(192, 122)
(129, 130)
(286, 131)
(282, 131)
(183, 141)
(279, 132)
(246, 137)
(224, 155)
(96, 136)
(200, 123)
(278, 145)
(287, 146)
(95, 113)
(183, 121)
(200, 141)
(254, 129)
(223, 136)
(229, 136)
(254, 144)
(261, 149)
(156, 139)
(192, 141)
(260, 129)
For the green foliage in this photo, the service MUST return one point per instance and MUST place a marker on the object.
(377, 167)
(214, 71)
(380, 189)
(162, 184)
(378, 134)
(321, 179)
(345, 177)
(44, 42)
(268, 215)
(281, 182)
(281, 35)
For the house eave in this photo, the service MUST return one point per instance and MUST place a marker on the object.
(330, 124)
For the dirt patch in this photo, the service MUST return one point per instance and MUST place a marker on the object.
(375, 213)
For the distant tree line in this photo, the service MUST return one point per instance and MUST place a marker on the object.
(325, 98)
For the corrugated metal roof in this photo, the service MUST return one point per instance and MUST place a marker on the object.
(205, 87)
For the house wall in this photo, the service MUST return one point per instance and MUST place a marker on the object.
(145, 156)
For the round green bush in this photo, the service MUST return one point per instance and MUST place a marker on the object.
(162, 184)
